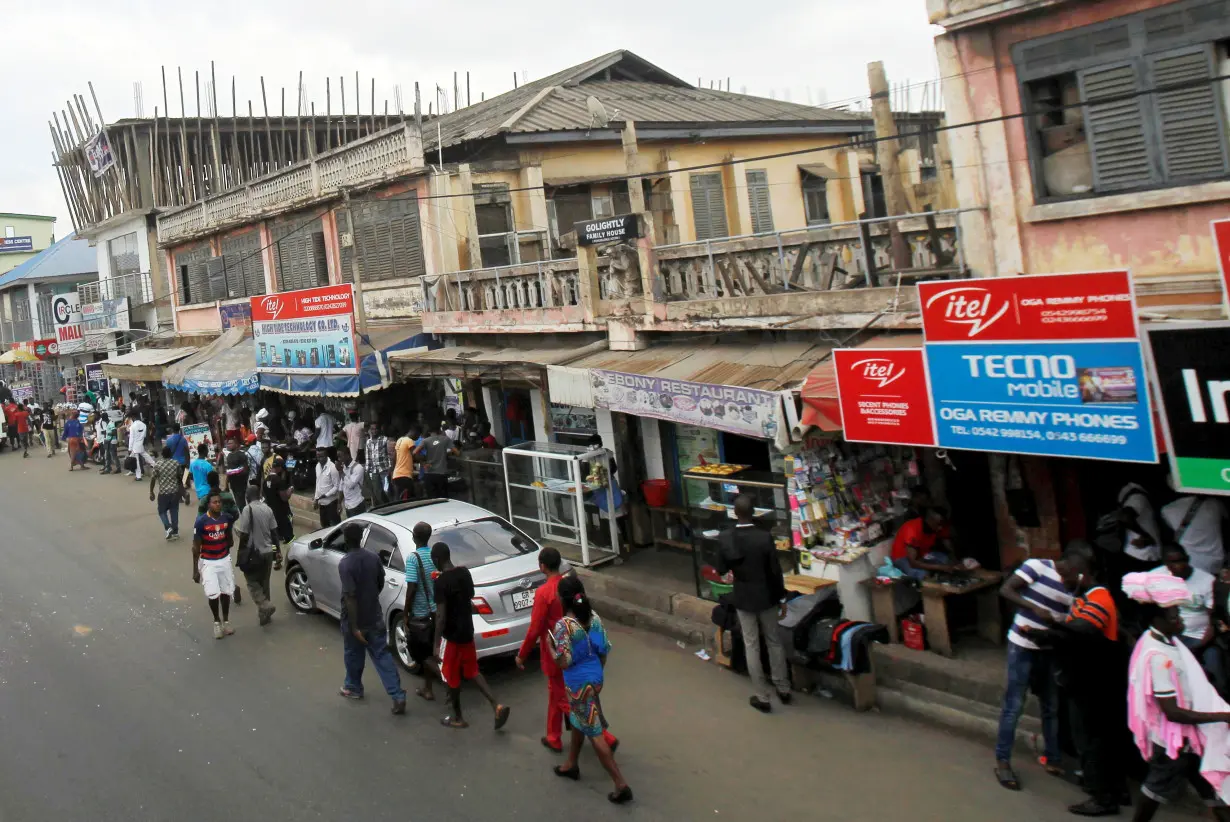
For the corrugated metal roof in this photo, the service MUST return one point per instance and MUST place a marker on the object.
(626, 83)
(71, 256)
(767, 366)
(151, 356)
(476, 355)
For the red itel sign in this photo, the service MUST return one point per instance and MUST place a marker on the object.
(883, 395)
(308, 302)
(1221, 239)
(1096, 306)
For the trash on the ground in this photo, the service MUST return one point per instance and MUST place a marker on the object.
(681, 644)
(703, 654)
(825, 692)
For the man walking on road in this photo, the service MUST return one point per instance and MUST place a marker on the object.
(759, 597)
(547, 611)
(110, 445)
(178, 444)
(456, 655)
(166, 477)
(420, 609)
(403, 467)
(328, 489)
(351, 480)
(363, 628)
(259, 554)
(47, 417)
(21, 419)
(277, 496)
(378, 465)
(136, 442)
(211, 562)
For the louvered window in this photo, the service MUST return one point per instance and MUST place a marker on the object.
(708, 206)
(299, 259)
(245, 265)
(386, 238)
(191, 279)
(758, 200)
(1128, 104)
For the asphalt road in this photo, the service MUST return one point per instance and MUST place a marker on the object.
(116, 703)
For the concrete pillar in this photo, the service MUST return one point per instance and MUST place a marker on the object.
(268, 259)
(531, 179)
(35, 325)
(681, 202)
(624, 337)
(444, 224)
(540, 409)
(990, 239)
(587, 281)
(848, 169)
(465, 205)
(636, 186)
(333, 247)
(651, 439)
(606, 427)
(492, 405)
(738, 219)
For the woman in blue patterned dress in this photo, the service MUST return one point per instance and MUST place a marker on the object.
(580, 646)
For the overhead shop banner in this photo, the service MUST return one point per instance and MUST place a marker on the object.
(1192, 372)
(883, 395)
(107, 315)
(746, 411)
(310, 331)
(1047, 364)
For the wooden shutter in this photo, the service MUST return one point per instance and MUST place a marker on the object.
(299, 259)
(1189, 119)
(1116, 130)
(387, 239)
(245, 264)
(215, 287)
(198, 281)
(708, 206)
(758, 200)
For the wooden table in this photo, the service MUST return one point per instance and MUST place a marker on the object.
(935, 609)
(883, 608)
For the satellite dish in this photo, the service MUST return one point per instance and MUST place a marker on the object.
(598, 118)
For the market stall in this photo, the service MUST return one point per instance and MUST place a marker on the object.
(548, 487)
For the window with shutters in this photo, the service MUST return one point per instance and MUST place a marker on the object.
(245, 265)
(191, 279)
(815, 200)
(299, 259)
(1128, 104)
(708, 206)
(758, 200)
(386, 238)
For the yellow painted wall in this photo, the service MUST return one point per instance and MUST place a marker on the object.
(569, 162)
(41, 231)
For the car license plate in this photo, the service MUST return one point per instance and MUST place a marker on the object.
(522, 600)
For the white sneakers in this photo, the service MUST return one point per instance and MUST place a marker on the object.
(217, 630)
(222, 629)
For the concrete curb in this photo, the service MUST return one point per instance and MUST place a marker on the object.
(667, 625)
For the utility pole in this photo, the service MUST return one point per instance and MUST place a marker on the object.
(886, 156)
(360, 309)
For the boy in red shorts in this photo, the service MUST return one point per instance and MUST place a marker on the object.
(456, 655)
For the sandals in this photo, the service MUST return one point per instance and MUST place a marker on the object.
(573, 773)
(1006, 776)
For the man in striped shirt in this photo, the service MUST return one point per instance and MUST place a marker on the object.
(1041, 590)
(211, 561)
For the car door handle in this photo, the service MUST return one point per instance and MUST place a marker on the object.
(393, 583)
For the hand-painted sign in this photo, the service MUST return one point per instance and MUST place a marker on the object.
(310, 331)
(1096, 306)
(883, 395)
(608, 230)
(16, 244)
(1192, 375)
(730, 408)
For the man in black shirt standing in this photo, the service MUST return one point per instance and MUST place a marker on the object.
(277, 491)
(759, 598)
(363, 628)
(456, 655)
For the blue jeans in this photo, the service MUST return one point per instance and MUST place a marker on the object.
(1023, 666)
(904, 566)
(168, 511)
(382, 660)
(111, 459)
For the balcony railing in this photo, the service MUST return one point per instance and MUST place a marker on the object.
(369, 160)
(542, 284)
(818, 258)
(138, 287)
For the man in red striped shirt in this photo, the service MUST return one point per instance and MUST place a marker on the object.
(211, 562)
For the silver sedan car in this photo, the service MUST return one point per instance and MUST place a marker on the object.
(502, 560)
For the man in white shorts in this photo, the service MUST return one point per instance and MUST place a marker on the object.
(211, 562)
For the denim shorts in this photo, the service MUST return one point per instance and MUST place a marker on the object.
(1164, 782)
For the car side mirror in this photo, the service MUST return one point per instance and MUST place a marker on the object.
(316, 543)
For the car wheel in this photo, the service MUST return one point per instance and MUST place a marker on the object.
(401, 642)
(299, 590)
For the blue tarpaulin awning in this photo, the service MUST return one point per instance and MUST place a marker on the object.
(373, 372)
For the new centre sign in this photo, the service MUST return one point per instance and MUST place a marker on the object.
(1192, 373)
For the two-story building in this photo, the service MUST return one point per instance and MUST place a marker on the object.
(24, 236)
(1098, 140)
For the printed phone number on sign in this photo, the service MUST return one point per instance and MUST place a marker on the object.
(1035, 434)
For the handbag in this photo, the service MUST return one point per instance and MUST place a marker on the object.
(421, 630)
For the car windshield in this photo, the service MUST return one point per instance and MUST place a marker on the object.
(477, 543)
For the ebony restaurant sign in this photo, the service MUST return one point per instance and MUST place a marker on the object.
(1192, 373)
(608, 230)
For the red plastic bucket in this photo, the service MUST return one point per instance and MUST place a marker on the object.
(657, 492)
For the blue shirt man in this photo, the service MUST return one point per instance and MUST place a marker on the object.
(178, 444)
(200, 468)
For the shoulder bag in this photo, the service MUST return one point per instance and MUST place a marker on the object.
(421, 630)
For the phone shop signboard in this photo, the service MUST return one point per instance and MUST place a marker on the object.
(311, 331)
